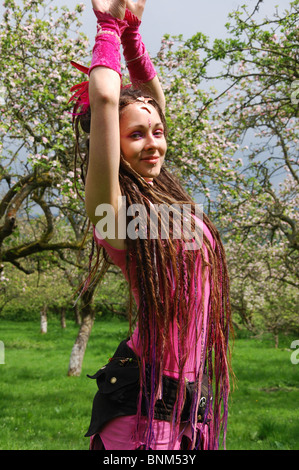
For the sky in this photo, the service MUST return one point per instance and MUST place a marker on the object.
(180, 17)
(177, 17)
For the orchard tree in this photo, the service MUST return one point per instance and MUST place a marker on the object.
(36, 134)
(199, 149)
(263, 291)
(47, 289)
(37, 42)
(239, 145)
(262, 107)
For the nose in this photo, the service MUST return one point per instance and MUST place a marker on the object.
(150, 141)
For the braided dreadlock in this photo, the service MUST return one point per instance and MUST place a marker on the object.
(156, 310)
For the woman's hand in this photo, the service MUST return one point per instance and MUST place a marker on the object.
(116, 8)
(137, 8)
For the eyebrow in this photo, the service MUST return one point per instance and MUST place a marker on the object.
(141, 126)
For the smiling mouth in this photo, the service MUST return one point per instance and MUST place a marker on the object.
(150, 159)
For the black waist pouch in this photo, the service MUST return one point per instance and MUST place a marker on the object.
(118, 392)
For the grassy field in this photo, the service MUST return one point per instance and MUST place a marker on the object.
(43, 409)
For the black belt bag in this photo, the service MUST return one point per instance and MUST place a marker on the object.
(118, 392)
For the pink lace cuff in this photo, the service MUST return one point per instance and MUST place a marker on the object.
(139, 64)
(106, 51)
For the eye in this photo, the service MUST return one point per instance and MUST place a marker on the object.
(159, 133)
(136, 135)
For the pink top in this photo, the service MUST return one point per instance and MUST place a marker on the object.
(198, 316)
(119, 433)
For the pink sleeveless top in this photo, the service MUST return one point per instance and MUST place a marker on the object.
(119, 433)
(198, 313)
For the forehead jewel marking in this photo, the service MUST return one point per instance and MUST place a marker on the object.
(144, 100)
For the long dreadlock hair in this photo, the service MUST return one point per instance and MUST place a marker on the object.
(156, 311)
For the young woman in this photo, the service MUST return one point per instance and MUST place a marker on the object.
(166, 386)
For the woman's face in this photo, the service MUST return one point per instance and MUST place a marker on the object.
(142, 141)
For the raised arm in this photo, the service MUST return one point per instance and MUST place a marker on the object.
(102, 182)
(141, 70)
(118, 23)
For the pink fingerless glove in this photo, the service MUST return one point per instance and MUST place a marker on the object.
(106, 51)
(139, 64)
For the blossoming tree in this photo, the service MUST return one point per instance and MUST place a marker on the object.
(254, 117)
(228, 147)
(36, 135)
(38, 197)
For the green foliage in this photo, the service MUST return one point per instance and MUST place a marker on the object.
(22, 296)
(113, 296)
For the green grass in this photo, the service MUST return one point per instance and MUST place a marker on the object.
(264, 411)
(41, 408)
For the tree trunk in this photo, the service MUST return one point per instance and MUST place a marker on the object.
(62, 317)
(78, 351)
(43, 320)
(77, 315)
